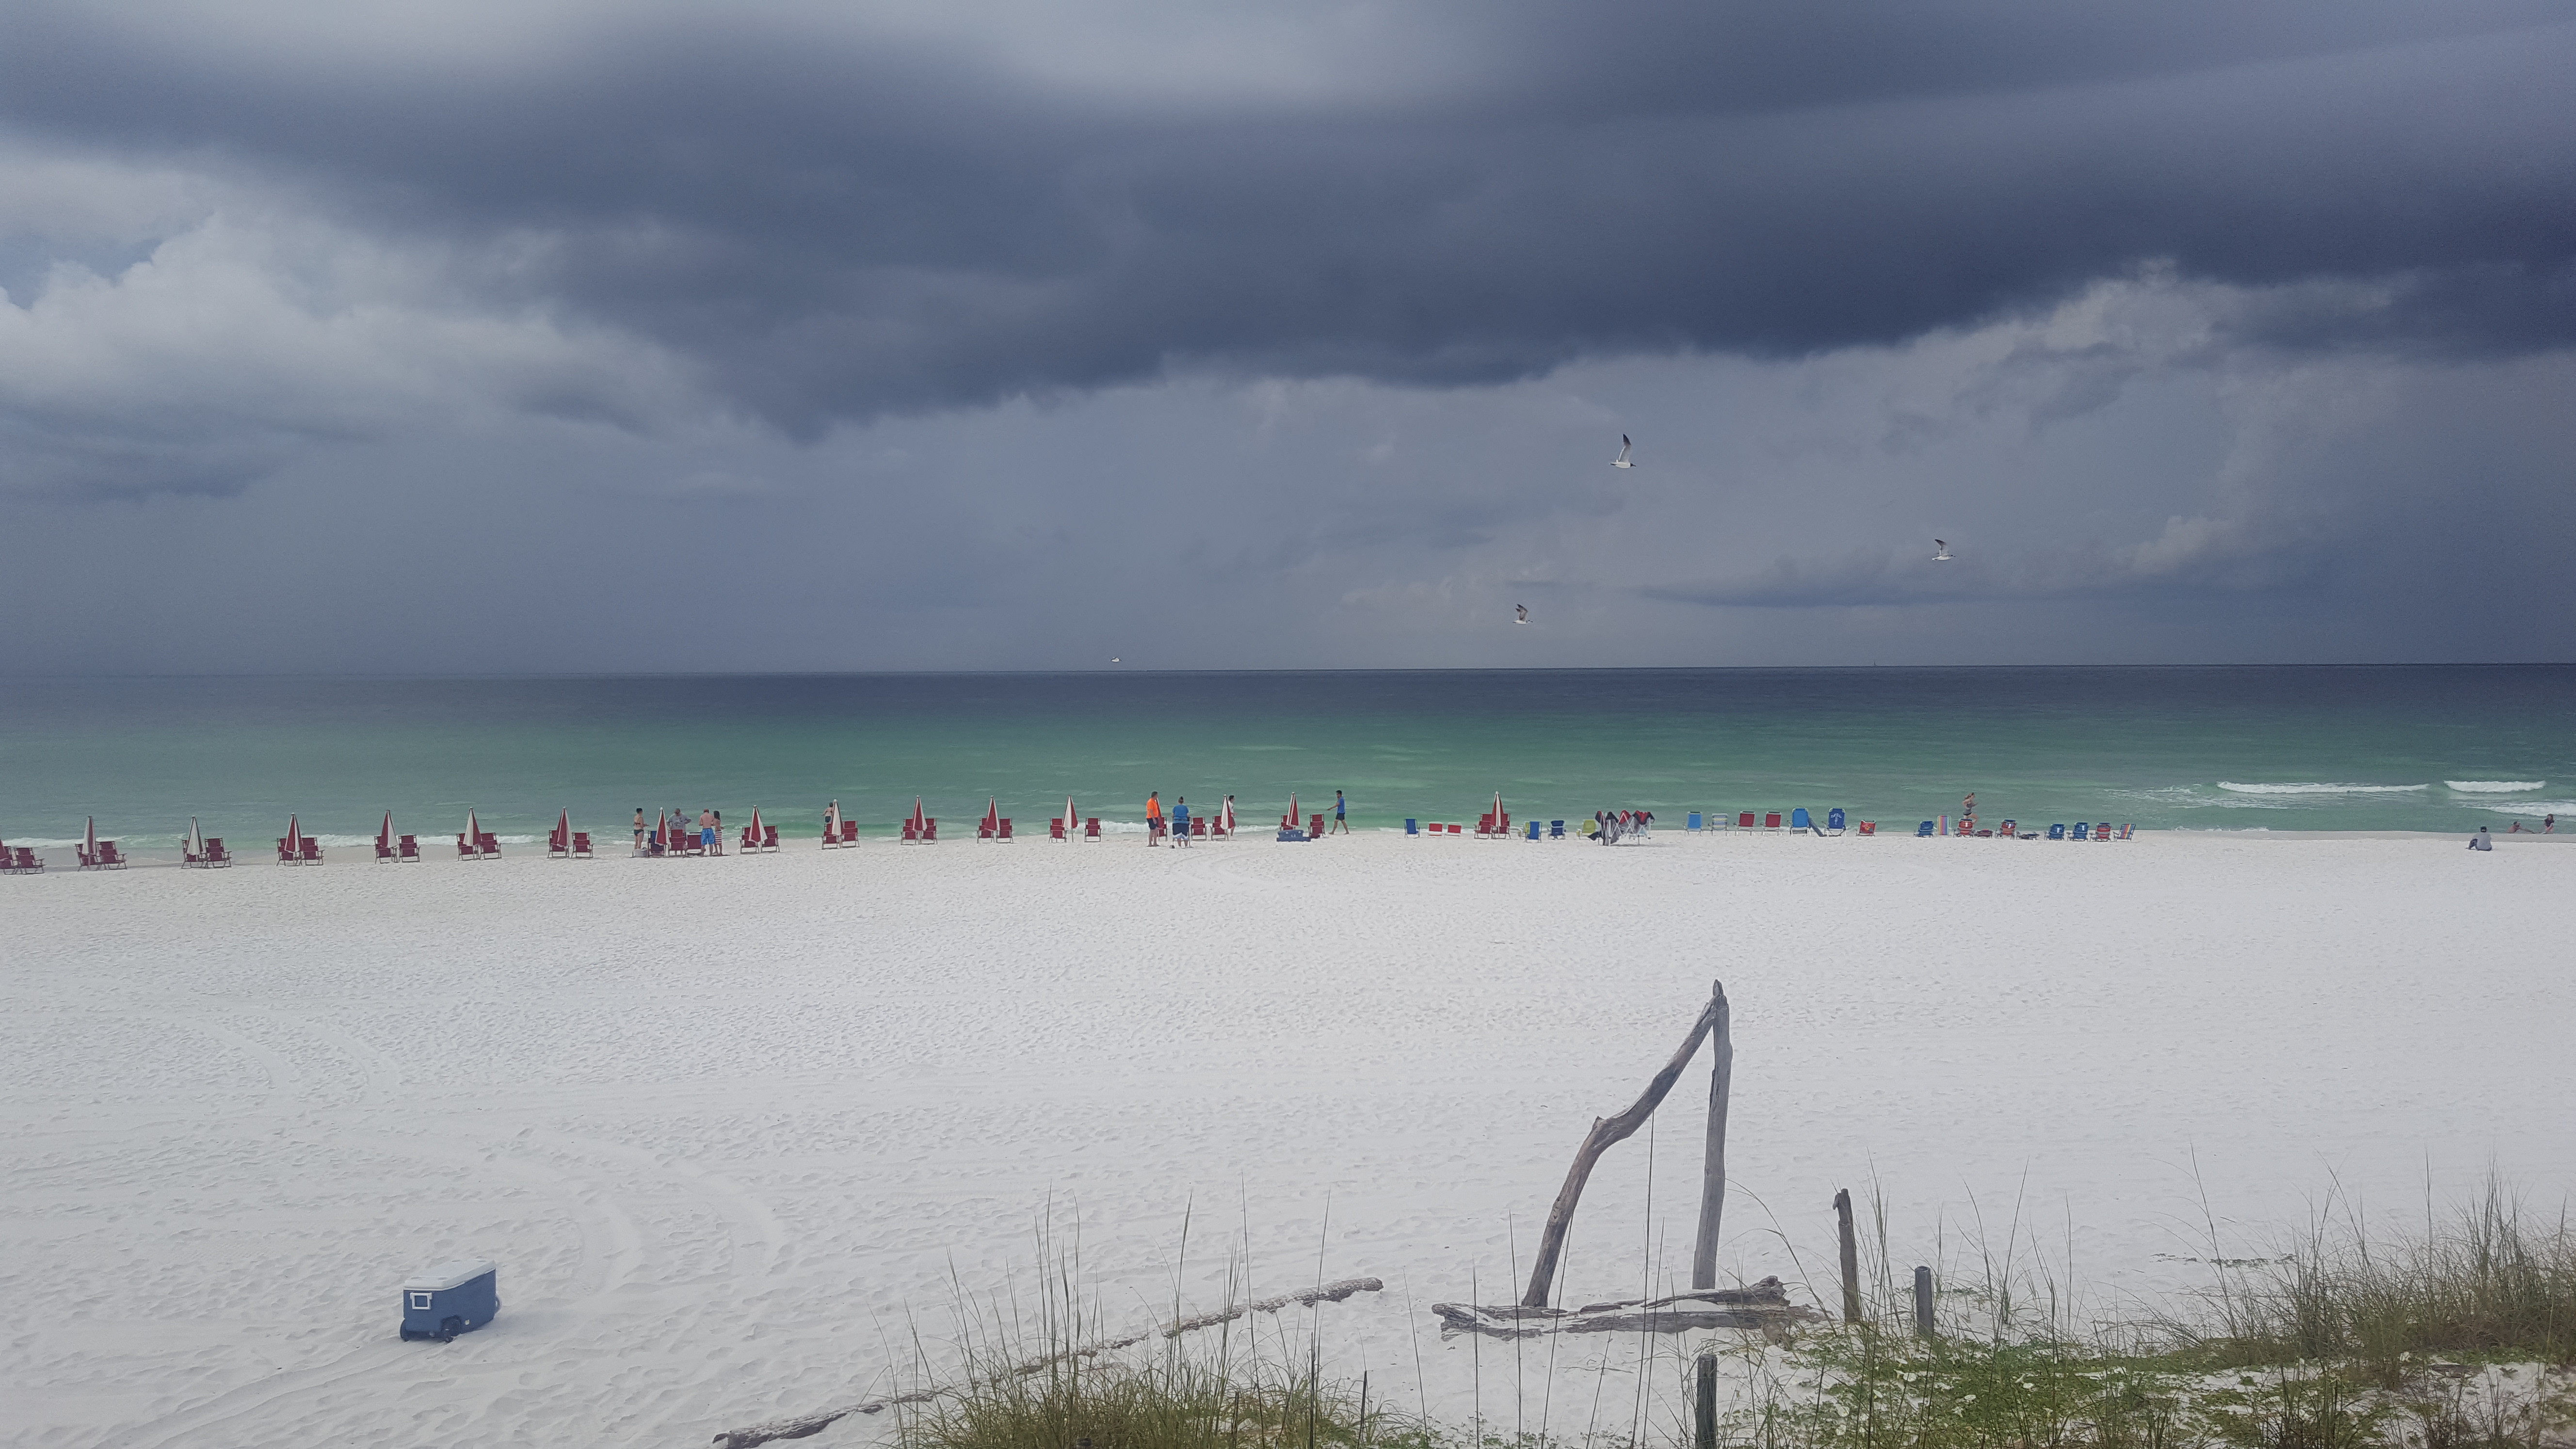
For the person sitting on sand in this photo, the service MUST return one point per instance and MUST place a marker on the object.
(2480, 841)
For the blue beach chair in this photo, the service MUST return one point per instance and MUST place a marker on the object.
(1923, 831)
(1834, 820)
(2057, 832)
(1412, 827)
(1555, 829)
(1533, 830)
(1799, 819)
(1693, 824)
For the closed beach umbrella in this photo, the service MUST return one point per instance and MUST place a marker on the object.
(1293, 817)
(89, 838)
(756, 836)
(1068, 815)
(662, 829)
(1229, 815)
(473, 833)
(294, 835)
(992, 812)
(918, 818)
(385, 833)
(196, 839)
(1498, 809)
(563, 830)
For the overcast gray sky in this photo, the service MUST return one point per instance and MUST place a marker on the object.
(514, 335)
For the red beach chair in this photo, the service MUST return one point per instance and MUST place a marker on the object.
(464, 850)
(1316, 832)
(312, 850)
(1091, 828)
(849, 832)
(108, 859)
(768, 837)
(1744, 821)
(23, 861)
(384, 852)
(1869, 827)
(910, 835)
(1771, 821)
(1198, 827)
(407, 848)
(491, 844)
(749, 841)
(285, 853)
(929, 830)
(215, 852)
(581, 845)
(1006, 829)
(1055, 829)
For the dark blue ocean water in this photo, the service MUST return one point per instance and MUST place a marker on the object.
(2369, 748)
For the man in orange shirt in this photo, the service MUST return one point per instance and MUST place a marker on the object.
(1154, 818)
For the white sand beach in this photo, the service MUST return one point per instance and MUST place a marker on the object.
(728, 1126)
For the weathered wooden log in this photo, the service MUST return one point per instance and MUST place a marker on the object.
(1769, 1293)
(1605, 1132)
(805, 1424)
(1712, 1184)
(1851, 1255)
(1507, 1323)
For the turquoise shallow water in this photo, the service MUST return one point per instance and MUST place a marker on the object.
(2309, 748)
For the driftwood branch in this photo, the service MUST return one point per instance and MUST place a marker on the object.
(1605, 1132)
(1764, 1306)
(805, 1424)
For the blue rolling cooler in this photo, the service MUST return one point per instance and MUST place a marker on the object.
(450, 1299)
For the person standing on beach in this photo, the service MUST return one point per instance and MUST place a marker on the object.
(707, 831)
(1338, 807)
(1154, 817)
(1181, 820)
(640, 828)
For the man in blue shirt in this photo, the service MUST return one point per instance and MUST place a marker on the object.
(1338, 823)
(1181, 820)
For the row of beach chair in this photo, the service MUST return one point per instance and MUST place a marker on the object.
(19, 860)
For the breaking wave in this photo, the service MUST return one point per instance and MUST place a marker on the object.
(2493, 787)
(2318, 789)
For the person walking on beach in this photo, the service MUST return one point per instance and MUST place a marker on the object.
(1154, 817)
(707, 831)
(1339, 824)
(1181, 820)
(2480, 841)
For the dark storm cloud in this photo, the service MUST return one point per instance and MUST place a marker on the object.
(838, 224)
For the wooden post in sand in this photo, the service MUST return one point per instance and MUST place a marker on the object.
(1851, 1255)
(1712, 1181)
(1922, 1303)
(1606, 1131)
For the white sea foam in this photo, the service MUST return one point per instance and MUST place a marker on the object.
(2493, 787)
(2534, 808)
(2318, 789)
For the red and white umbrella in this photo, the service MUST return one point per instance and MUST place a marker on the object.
(920, 821)
(1071, 820)
(662, 830)
(294, 836)
(89, 839)
(1295, 820)
(385, 832)
(563, 830)
(992, 813)
(473, 833)
(756, 836)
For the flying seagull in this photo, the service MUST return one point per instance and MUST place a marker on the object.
(1940, 551)
(1622, 460)
(1520, 613)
